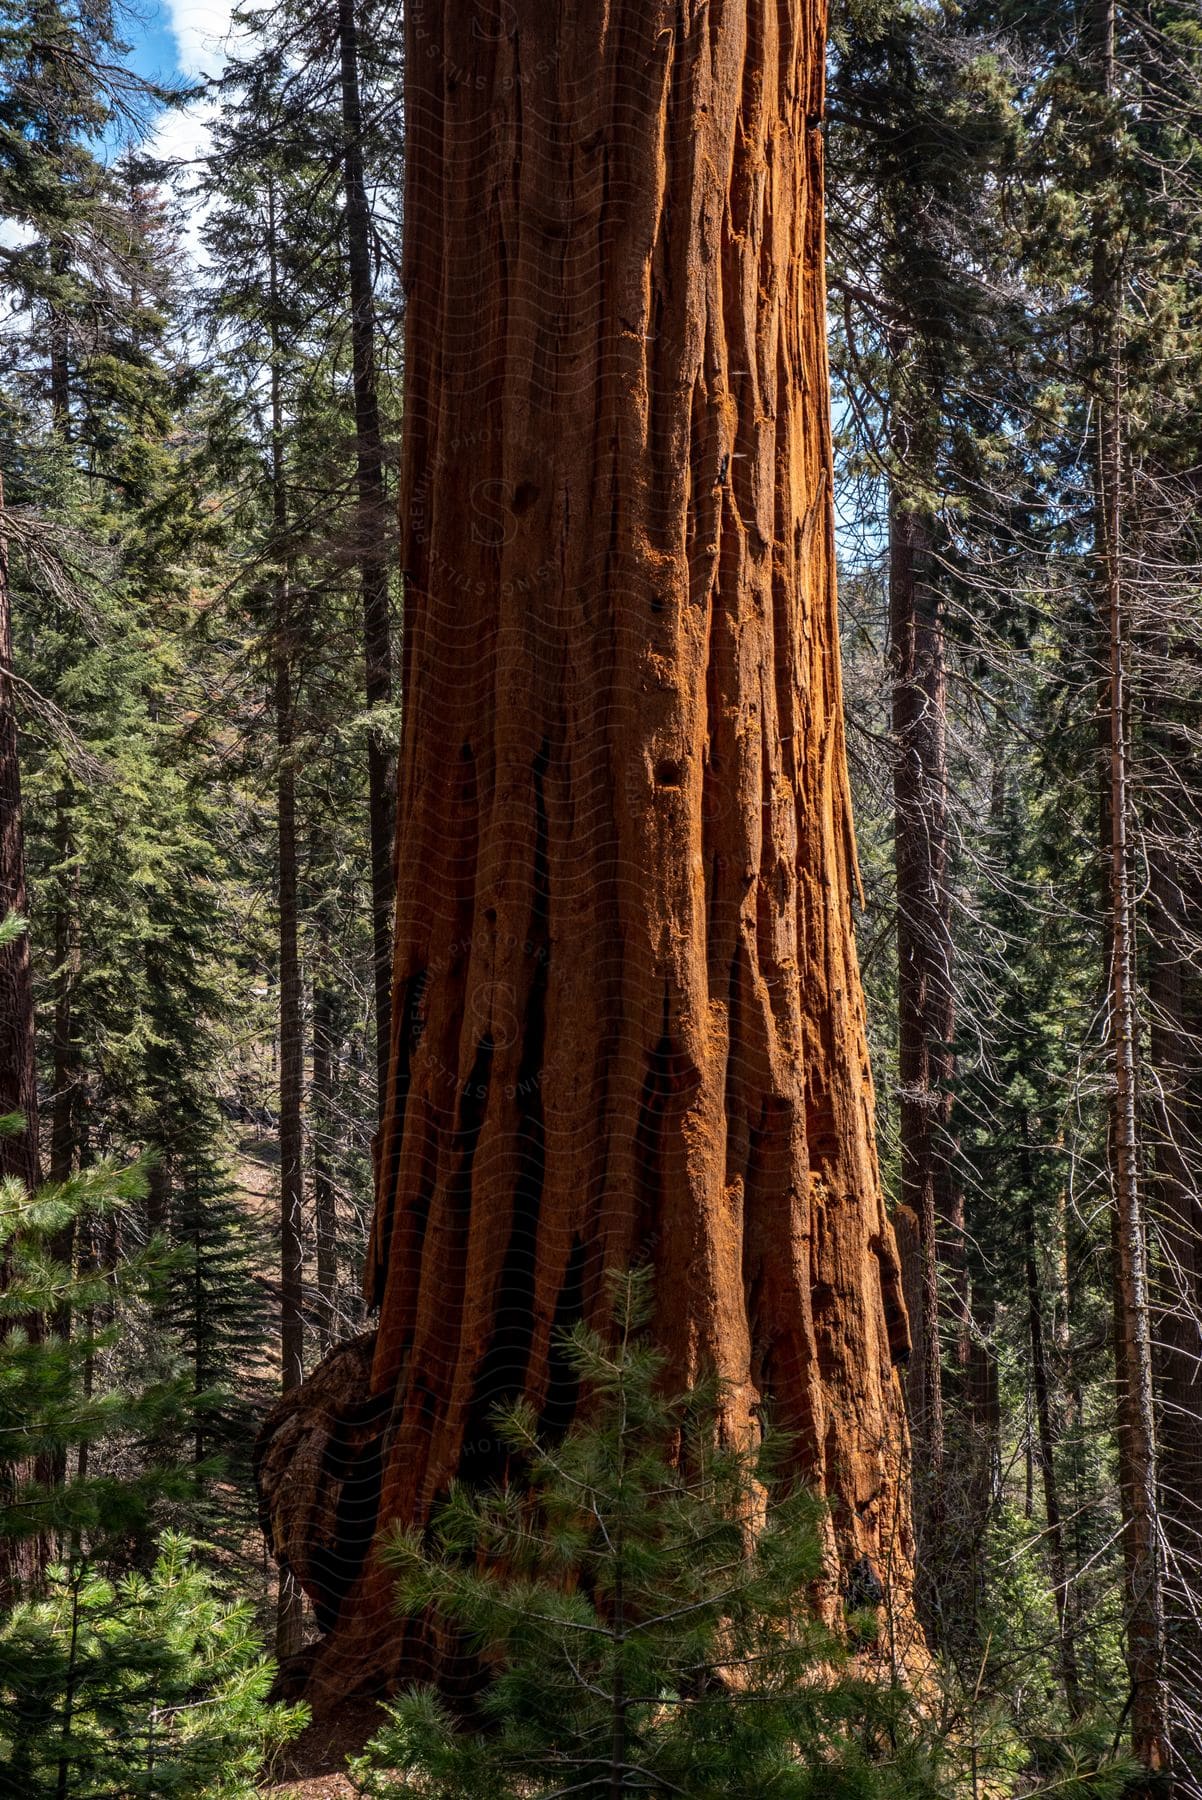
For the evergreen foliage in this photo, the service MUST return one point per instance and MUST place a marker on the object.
(220, 1320)
(114, 1679)
(130, 1688)
(638, 1603)
(636, 1635)
(981, 171)
(60, 1418)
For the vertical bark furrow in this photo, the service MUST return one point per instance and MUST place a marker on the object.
(561, 1389)
(504, 1372)
(406, 1028)
(619, 579)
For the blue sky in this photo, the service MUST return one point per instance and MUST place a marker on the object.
(155, 52)
(173, 38)
(173, 41)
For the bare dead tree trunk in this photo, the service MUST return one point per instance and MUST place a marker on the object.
(1133, 1338)
(1044, 1442)
(292, 1341)
(924, 1000)
(1177, 1298)
(628, 1018)
(373, 531)
(1137, 1431)
(321, 1138)
(931, 1223)
(18, 1053)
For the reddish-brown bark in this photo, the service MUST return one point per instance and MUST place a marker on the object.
(627, 1016)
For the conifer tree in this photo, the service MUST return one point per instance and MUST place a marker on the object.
(632, 1639)
(135, 1687)
(57, 1405)
(922, 145)
(113, 1682)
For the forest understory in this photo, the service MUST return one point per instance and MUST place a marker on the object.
(601, 901)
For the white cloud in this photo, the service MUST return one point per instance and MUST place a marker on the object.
(205, 38)
(15, 233)
(200, 29)
(202, 32)
(181, 139)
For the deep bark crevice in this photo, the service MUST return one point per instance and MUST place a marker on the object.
(501, 1374)
(563, 1383)
(407, 1026)
(631, 900)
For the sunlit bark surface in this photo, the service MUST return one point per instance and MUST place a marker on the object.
(627, 1016)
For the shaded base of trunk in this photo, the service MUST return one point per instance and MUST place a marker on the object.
(319, 1462)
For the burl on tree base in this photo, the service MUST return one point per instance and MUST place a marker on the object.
(627, 1017)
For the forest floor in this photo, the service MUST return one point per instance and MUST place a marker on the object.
(313, 1767)
(313, 1787)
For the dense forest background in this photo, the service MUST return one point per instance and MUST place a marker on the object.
(201, 383)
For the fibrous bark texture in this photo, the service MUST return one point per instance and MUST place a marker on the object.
(627, 1016)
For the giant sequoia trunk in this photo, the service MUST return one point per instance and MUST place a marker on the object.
(627, 1016)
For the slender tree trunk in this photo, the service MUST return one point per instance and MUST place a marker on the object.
(373, 531)
(1133, 1338)
(292, 1342)
(1044, 1441)
(22, 1560)
(64, 1101)
(291, 1041)
(321, 1139)
(1173, 996)
(1136, 1419)
(18, 1051)
(200, 1324)
(66, 1109)
(628, 1017)
(59, 369)
(916, 653)
(158, 1197)
(931, 1226)
(291, 1063)
(66, 1073)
